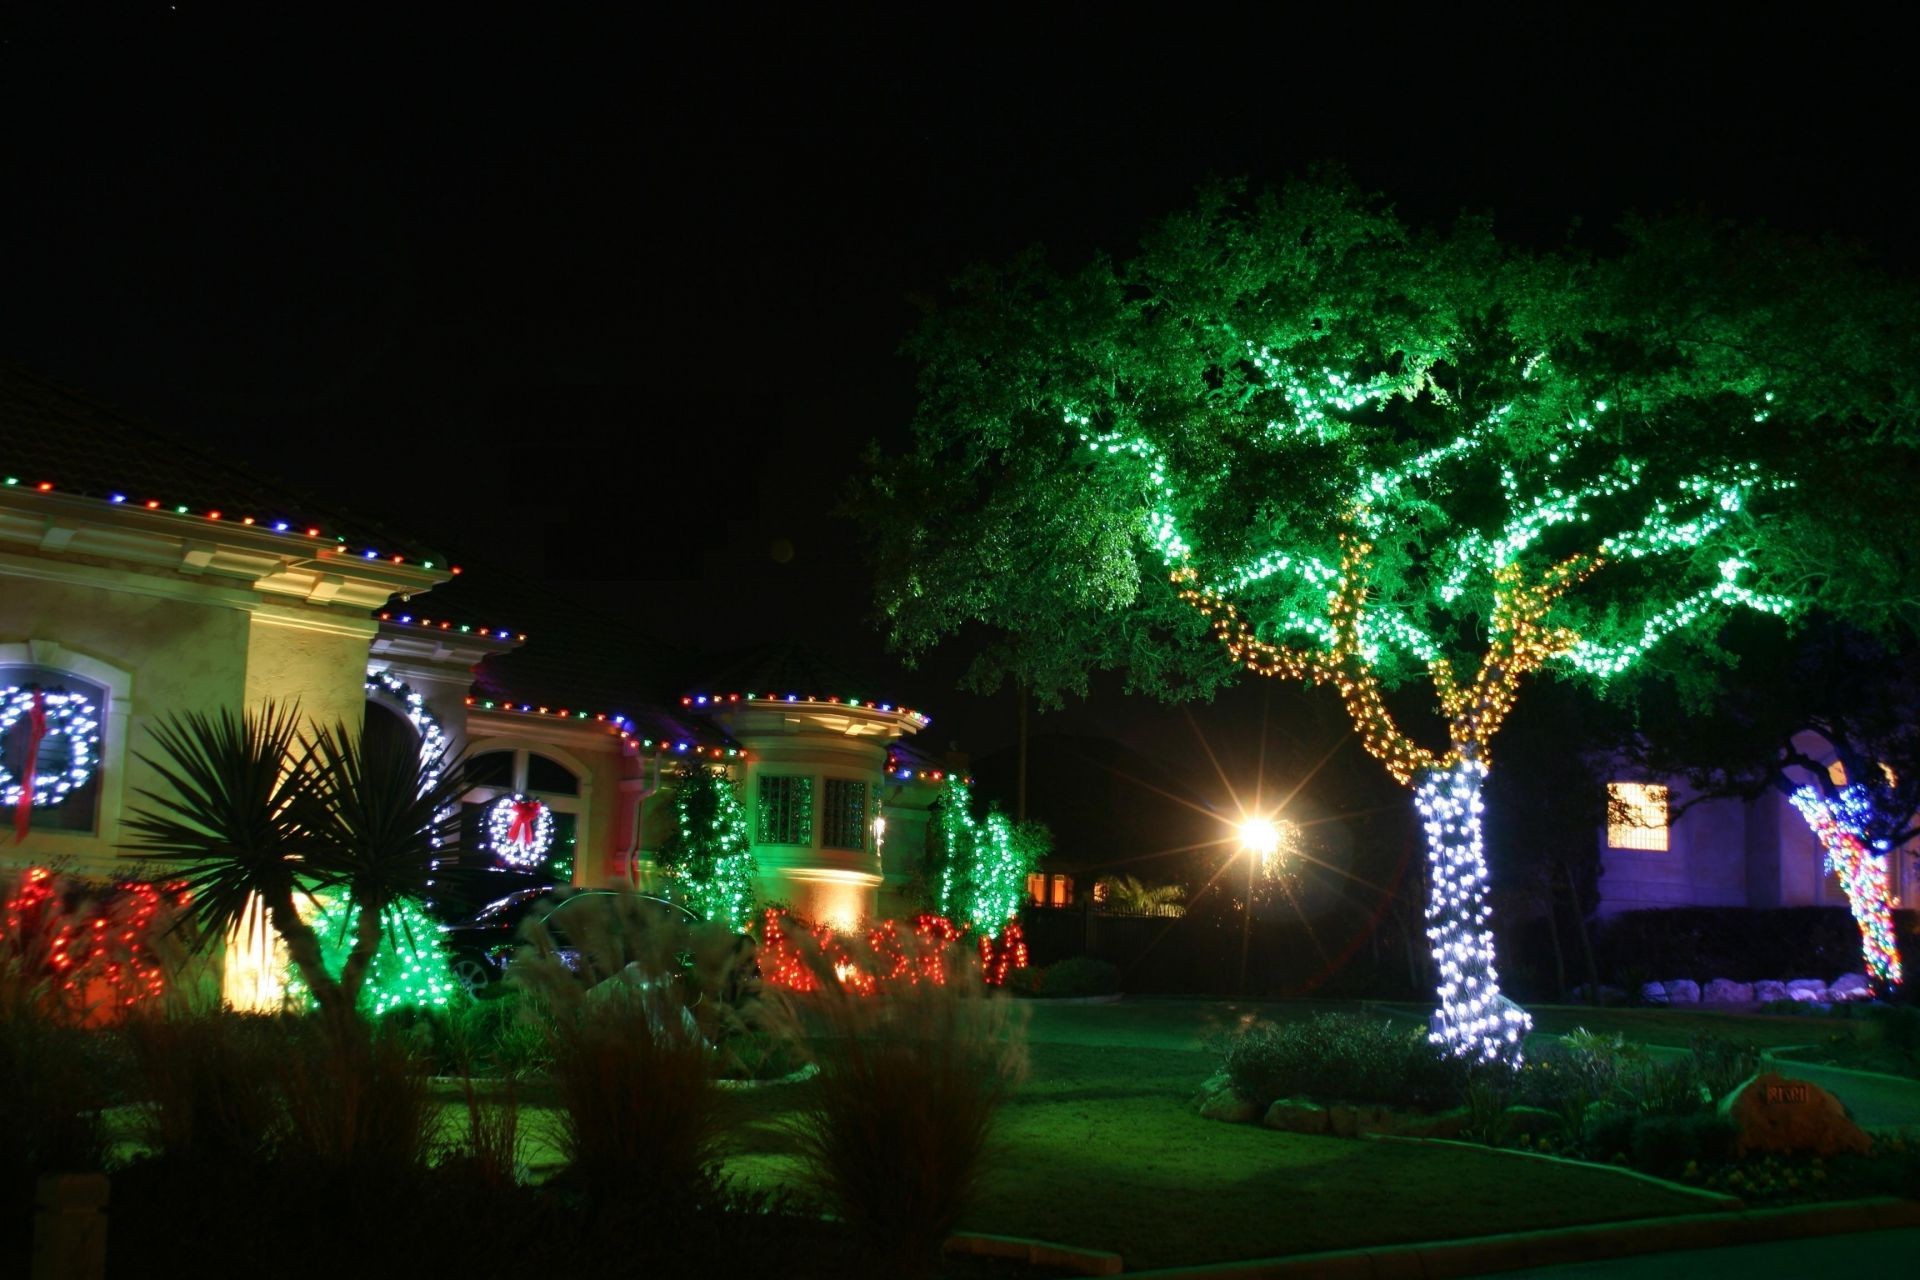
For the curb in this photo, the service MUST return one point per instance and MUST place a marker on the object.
(1482, 1255)
(1773, 1056)
(1719, 1200)
(1088, 1262)
(1112, 997)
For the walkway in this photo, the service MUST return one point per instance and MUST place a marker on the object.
(1871, 1253)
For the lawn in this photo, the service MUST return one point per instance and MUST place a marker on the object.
(1100, 1149)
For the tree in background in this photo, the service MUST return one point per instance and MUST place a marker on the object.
(1825, 717)
(1373, 457)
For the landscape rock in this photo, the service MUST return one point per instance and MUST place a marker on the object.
(1294, 1115)
(1804, 989)
(1850, 986)
(1228, 1105)
(1767, 991)
(1343, 1121)
(1654, 993)
(1775, 1113)
(1683, 991)
(1727, 991)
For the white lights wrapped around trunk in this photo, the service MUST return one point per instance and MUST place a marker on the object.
(1473, 1020)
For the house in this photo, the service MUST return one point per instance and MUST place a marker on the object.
(1665, 846)
(141, 577)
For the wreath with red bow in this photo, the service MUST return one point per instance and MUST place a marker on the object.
(520, 830)
(69, 724)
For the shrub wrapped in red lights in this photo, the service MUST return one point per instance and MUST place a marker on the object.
(87, 953)
(796, 956)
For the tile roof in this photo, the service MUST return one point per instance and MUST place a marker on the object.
(53, 436)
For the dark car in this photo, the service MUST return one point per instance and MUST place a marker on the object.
(480, 946)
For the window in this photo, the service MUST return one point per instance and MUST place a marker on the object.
(1636, 816)
(504, 773)
(843, 815)
(1053, 891)
(786, 810)
(68, 760)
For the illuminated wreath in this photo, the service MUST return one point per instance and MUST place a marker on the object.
(72, 720)
(520, 830)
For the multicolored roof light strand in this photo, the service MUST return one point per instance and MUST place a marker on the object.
(428, 624)
(715, 701)
(335, 545)
(617, 724)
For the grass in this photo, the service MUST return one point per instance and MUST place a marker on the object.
(1099, 1149)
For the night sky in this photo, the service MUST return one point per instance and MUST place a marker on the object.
(619, 301)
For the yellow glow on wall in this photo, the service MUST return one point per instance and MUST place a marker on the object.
(1637, 816)
(254, 960)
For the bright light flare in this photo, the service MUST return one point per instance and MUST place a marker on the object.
(1260, 836)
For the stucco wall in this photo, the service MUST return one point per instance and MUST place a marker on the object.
(170, 655)
(1704, 863)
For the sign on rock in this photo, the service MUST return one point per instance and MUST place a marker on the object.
(1772, 1113)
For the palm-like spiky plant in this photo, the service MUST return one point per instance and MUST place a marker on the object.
(377, 813)
(1130, 896)
(257, 810)
(234, 821)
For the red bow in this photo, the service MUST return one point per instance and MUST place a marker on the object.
(520, 830)
(36, 730)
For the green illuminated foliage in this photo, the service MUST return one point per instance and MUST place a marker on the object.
(709, 856)
(1645, 442)
(408, 971)
(977, 868)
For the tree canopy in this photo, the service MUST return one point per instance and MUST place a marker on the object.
(1369, 453)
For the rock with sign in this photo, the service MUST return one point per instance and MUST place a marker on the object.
(1774, 1113)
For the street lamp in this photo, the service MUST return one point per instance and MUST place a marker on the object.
(1260, 841)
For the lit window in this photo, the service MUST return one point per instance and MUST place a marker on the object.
(786, 810)
(1636, 815)
(1062, 891)
(843, 815)
(1037, 889)
(1837, 774)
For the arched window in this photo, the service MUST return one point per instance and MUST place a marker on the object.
(528, 773)
(67, 751)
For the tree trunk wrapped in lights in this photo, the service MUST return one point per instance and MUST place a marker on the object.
(1842, 823)
(1372, 457)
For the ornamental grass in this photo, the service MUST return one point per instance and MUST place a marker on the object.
(641, 1113)
(205, 1087)
(355, 1097)
(894, 1127)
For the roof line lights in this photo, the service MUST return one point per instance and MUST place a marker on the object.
(704, 700)
(489, 633)
(616, 724)
(285, 527)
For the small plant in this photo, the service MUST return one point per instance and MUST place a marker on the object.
(1340, 1057)
(1723, 1065)
(1490, 1092)
(895, 1125)
(1080, 976)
